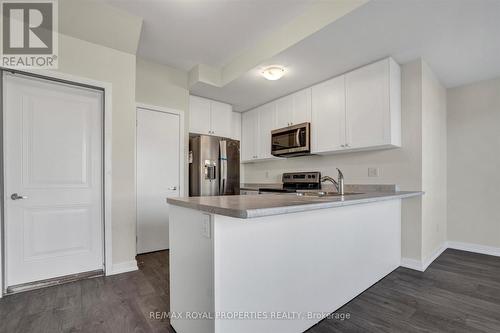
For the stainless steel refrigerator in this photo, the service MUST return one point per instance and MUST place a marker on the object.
(214, 166)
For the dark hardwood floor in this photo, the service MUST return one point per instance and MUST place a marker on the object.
(459, 292)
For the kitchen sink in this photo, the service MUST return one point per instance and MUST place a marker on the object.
(321, 194)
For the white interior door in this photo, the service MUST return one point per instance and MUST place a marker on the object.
(53, 179)
(158, 176)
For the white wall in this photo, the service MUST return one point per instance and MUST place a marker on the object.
(423, 102)
(84, 59)
(433, 163)
(474, 163)
(160, 85)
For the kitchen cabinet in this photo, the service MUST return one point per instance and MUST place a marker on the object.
(249, 130)
(267, 120)
(221, 119)
(293, 109)
(373, 106)
(199, 115)
(256, 128)
(210, 117)
(360, 110)
(236, 126)
(328, 116)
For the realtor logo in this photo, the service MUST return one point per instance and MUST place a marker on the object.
(29, 34)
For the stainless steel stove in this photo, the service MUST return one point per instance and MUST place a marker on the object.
(294, 181)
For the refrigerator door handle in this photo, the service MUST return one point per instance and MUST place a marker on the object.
(223, 167)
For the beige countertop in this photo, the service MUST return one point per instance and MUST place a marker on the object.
(251, 206)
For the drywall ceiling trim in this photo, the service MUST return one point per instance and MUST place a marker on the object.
(205, 74)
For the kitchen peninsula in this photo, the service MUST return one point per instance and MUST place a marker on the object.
(242, 262)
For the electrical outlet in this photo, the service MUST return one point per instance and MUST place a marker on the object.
(373, 172)
(267, 174)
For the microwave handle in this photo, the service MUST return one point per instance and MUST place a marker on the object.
(297, 138)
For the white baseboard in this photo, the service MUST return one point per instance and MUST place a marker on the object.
(476, 248)
(123, 267)
(434, 256)
(421, 266)
(483, 249)
(412, 264)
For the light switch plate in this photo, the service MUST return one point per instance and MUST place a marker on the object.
(373, 172)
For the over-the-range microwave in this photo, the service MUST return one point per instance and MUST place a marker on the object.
(291, 141)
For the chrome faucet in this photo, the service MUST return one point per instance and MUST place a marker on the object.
(339, 184)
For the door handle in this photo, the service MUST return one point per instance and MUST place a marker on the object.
(173, 188)
(297, 138)
(16, 196)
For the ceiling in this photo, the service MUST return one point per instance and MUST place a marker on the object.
(184, 33)
(459, 39)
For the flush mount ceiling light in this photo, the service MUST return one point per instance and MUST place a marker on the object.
(273, 73)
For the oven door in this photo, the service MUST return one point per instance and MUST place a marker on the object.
(293, 140)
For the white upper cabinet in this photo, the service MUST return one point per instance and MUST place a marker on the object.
(293, 109)
(221, 119)
(302, 107)
(236, 126)
(256, 128)
(249, 133)
(360, 110)
(199, 115)
(210, 117)
(328, 116)
(267, 121)
(284, 111)
(373, 104)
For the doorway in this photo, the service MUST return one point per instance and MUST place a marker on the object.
(159, 174)
(53, 180)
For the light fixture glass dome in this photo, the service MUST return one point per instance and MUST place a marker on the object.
(273, 73)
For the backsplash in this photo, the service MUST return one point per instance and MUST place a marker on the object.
(393, 166)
